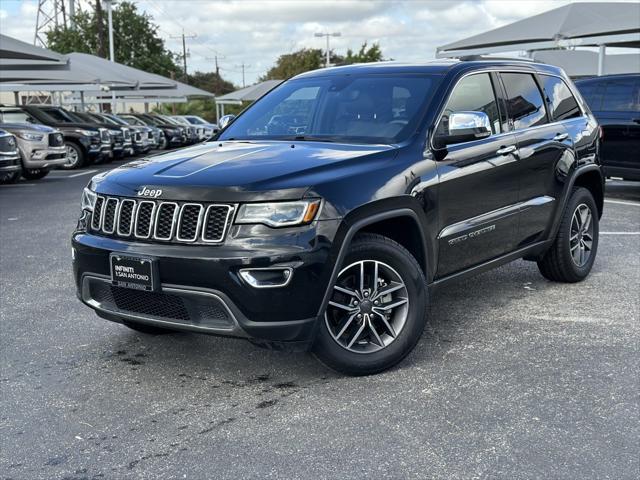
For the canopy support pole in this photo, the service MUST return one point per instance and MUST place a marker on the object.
(82, 107)
(146, 107)
(16, 98)
(601, 55)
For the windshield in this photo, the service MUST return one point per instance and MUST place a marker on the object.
(352, 109)
(195, 120)
(113, 119)
(132, 120)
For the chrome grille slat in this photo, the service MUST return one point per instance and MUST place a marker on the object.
(126, 214)
(160, 230)
(186, 226)
(109, 215)
(213, 230)
(142, 224)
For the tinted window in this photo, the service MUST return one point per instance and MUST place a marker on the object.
(343, 108)
(15, 116)
(592, 93)
(621, 96)
(524, 101)
(59, 115)
(559, 98)
(473, 93)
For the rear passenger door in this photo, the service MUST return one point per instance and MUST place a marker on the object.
(478, 182)
(542, 144)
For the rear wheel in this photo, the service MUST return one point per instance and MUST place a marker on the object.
(75, 156)
(35, 173)
(377, 310)
(148, 329)
(573, 252)
(9, 177)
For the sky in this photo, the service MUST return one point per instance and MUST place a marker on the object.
(255, 33)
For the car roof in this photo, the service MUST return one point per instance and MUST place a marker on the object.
(436, 67)
(602, 78)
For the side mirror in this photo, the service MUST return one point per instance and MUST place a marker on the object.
(465, 127)
(225, 120)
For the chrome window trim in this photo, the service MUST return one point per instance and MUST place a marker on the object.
(511, 69)
(227, 221)
(133, 217)
(115, 213)
(173, 220)
(198, 225)
(151, 222)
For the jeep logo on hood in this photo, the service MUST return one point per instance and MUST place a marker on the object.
(149, 192)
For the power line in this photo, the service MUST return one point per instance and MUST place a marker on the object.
(184, 49)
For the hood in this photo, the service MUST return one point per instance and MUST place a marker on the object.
(239, 171)
(83, 126)
(27, 127)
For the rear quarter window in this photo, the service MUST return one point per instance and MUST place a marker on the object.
(561, 101)
(621, 95)
(524, 100)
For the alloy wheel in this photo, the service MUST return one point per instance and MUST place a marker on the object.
(581, 239)
(368, 308)
(72, 157)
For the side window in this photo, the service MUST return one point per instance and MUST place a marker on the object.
(15, 116)
(592, 93)
(559, 98)
(621, 96)
(56, 115)
(524, 100)
(473, 93)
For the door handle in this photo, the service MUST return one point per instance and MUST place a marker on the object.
(506, 150)
(560, 137)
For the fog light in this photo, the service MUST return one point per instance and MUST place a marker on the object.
(267, 277)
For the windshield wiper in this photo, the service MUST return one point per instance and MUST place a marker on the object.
(310, 138)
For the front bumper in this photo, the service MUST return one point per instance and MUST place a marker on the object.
(203, 279)
(9, 162)
(44, 157)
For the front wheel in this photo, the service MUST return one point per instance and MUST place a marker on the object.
(75, 156)
(377, 310)
(573, 252)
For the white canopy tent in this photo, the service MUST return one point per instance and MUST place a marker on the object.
(597, 24)
(247, 94)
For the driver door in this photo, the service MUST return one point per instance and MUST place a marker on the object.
(478, 182)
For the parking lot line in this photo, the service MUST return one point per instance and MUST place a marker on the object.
(620, 202)
(80, 174)
(19, 185)
(619, 233)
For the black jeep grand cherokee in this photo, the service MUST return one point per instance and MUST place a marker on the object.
(323, 215)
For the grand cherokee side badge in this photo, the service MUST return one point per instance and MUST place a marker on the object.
(476, 233)
(149, 192)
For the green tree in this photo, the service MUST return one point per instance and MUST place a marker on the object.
(291, 64)
(211, 82)
(136, 40)
(365, 55)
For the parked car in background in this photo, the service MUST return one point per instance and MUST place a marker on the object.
(210, 128)
(190, 131)
(615, 101)
(41, 148)
(9, 158)
(175, 135)
(85, 142)
(144, 138)
(116, 132)
(159, 140)
(201, 134)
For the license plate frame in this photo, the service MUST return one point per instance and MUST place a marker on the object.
(134, 272)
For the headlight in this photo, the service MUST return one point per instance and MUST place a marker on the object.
(279, 214)
(87, 133)
(88, 199)
(33, 137)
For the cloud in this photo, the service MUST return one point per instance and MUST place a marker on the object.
(256, 32)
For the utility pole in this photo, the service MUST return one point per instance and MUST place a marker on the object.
(72, 13)
(184, 49)
(111, 52)
(243, 65)
(215, 59)
(327, 35)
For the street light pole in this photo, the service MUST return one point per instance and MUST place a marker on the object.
(327, 35)
(111, 53)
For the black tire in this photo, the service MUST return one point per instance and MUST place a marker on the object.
(148, 329)
(76, 158)
(559, 263)
(35, 173)
(377, 249)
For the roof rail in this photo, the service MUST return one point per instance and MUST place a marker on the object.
(473, 58)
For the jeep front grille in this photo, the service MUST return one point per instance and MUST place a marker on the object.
(176, 222)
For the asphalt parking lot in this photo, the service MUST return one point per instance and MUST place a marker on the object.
(515, 377)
